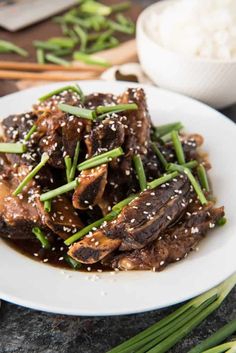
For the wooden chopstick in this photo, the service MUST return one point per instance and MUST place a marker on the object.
(26, 66)
(47, 76)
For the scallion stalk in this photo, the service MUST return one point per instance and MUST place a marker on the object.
(160, 156)
(41, 237)
(222, 221)
(82, 36)
(48, 205)
(75, 88)
(121, 6)
(30, 133)
(174, 167)
(40, 56)
(45, 45)
(68, 164)
(120, 205)
(178, 147)
(31, 175)
(93, 7)
(218, 337)
(121, 28)
(62, 42)
(8, 147)
(75, 162)
(59, 191)
(101, 109)
(90, 59)
(72, 262)
(100, 159)
(164, 179)
(57, 60)
(229, 347)
(138, 164)
(7, 47)
(79, 112)
(167, 128)
(162, 336)
(202, 175)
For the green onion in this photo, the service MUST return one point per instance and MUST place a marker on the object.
(111, 43)
(172, 167)
(229, 347)
(80, 92)
(41, 237)
(121, 6)
(191, 164)
(72, 262)
(56, 60)
(138, 164)
(74, 88)
(48, 205)
(31, 175)
(63, 52)
(59, 191)
(90, 59)
(40, 56)
(100, 159)
(112, 108)
(7, 47)
(75, 162)
(120, 205)
(202, 175)
(7, 147)
(222, 221)
(46, 45)
(153, 184)
(123, 20)
(178, 147)
(79, 112)
(82, 36)
(62, 42)
(68, 163)
(30, 133)
(162, 336)
(90, 227)
(159, 155)
(97, 8)
(167, 128)
(122, 28)
(216, 338)
(68, 18)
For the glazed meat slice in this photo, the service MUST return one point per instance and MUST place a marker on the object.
(15, 127)
(173, 245)
(95, 99)
(63, 219)
(139, 223)
(91, 187)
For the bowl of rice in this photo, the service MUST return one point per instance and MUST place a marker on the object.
(189, 46)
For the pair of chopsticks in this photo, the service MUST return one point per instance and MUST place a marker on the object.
(48, 72)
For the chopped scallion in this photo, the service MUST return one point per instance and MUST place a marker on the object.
(46, 45)
(59, 191)
(101, 109)
(79, 112)
(160, 156)
(72, 262)
(120, 6)
(178, 147)
(90, 59)
(31, 175)
(138, 164)
(222, 221)
(100, 159)
(62, 42)
(202, 175)
(75, 88)
(68, 164)
(93, 7)
(120, 205)
(41, 237)
(153, 184)
(8, 147)
(75, 162)
(40, 56)
(167, 128)
(7, 47)
(30, 133)
(56, 60)
(48, 205)
(82, 36)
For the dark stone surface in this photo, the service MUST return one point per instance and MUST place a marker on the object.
(26, 331)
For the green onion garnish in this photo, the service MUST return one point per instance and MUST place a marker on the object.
(68, 164)
(75, 162)
(41, 237)
(101, 109)
(93, 7)
(190, 165)
(8, 47)
(160, 156)
(222, 221)
(217, 338)
(75, 88)
(172, 167)
(48, 205)
(178, 147)
(120, 205)
(30, 133)
(138, 164)
(31, 175)
(82, 36)
(59, 191)
(100, 159)
(128, 29)
(46, 45)
(90, 59)
(153, 184)
(202, 175)
(163, 335)
(72, 262)
(167, 128)
(56, 60)
(62, 42)
(79, 112)
(121, 6)
(18, 147)
(40, 56)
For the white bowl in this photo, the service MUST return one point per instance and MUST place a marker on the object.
(210, 81)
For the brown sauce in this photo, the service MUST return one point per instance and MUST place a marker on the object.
(54, 257)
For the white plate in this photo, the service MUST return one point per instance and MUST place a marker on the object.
(39, 286)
